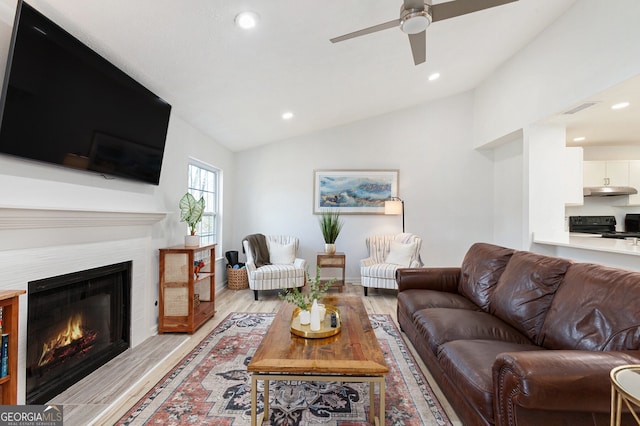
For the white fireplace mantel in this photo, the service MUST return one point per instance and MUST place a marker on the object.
(39, 218)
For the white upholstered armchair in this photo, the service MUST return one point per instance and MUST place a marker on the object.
(272, 263)
(387, 253)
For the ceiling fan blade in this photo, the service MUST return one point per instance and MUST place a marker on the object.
(418, 47)
(413, 4)
(365, 31)
(462, 7)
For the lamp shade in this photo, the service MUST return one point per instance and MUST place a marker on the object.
(393, 207)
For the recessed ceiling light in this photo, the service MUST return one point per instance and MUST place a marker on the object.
(579, 139)
(247, 20)
(287, 115)
(434, 76)
(620, 105)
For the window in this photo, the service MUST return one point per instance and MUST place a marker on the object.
(203, 182)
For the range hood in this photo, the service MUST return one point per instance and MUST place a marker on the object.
(608, 191)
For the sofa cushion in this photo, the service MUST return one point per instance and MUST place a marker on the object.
(401, 254)
(282, 254)
(596, 308)
(481, 268)
(276, 272)
(413, 300)
(441, 325)
(525, 290)
(380, 270)
(468, 363)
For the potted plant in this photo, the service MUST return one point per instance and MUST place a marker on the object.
(330, 225)
(191, 211)
(317, 289)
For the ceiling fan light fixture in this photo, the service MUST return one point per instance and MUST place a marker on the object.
(415, 22)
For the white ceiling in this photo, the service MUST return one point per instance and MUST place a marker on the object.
(598, 123)
(234, 85)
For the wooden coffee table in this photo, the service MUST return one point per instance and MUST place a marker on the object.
(353, 355)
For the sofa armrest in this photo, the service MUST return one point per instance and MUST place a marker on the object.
(367, 262)
(300, 263)
(441, 279)
(558, 380)
(251, 267)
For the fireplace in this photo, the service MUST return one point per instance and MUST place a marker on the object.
(75, 324)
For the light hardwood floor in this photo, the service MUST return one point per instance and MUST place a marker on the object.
(107, 394)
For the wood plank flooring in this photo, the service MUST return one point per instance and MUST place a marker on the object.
(107, 394)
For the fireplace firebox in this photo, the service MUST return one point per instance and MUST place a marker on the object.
(75, 323)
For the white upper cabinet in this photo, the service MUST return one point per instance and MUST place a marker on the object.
(634, 181)
(609, 173)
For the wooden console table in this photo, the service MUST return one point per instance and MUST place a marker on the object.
(336, 260)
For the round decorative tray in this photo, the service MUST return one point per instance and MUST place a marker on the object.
(325, 326)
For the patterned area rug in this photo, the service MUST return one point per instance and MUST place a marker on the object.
(211, 385)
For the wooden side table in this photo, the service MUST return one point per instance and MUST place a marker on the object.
(625, 386)
(336, 260)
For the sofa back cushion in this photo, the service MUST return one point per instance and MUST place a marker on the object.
(596, 308)
(481, 268)
(525, 290)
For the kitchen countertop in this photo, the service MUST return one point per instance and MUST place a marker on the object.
(590, 242)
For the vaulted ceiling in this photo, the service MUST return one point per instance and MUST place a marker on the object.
(234, 84)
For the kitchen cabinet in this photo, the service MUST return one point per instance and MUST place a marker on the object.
(634, 181)
(606, 173)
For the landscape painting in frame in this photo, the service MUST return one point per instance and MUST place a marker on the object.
(353, 191)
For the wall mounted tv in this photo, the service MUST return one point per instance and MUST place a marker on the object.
(62, 103)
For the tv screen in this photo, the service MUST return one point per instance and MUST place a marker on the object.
(62, 103)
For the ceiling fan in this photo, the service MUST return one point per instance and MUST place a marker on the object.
(417, 15)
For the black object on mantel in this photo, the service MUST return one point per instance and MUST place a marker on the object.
(605, 226)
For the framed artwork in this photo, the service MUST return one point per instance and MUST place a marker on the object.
(353, 191)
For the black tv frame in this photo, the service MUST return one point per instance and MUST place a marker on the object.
(130, 146)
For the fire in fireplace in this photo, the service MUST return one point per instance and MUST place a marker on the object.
(75, 324)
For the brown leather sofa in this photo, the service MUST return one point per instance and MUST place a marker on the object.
(518, 338)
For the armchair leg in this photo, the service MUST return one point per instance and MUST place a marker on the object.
(365, 290)
(255, 294)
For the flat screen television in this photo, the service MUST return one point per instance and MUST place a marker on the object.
(62, 103)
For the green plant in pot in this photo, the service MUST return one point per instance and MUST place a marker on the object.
(191, 211)
(330, 225)
(304, 299)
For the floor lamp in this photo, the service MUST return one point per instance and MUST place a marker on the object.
(395, 205)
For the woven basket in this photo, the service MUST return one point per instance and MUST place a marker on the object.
(237, 278)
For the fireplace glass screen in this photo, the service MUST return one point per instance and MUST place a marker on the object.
(75, 324)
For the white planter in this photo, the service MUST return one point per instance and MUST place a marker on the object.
(305, 317)
(192, 240)
(315, 316)
(329, 248)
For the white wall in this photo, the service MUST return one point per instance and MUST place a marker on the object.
(43, 251)
(446, 185)
(568, 62)
(544, 156)
(592, 47)
(510, 205)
